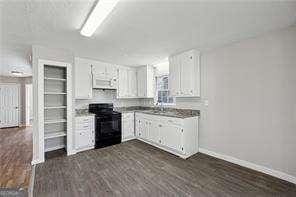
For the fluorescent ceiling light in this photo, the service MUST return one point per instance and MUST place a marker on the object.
(97, 16)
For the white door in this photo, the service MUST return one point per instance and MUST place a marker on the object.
(9, 105)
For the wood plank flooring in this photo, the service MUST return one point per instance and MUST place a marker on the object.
(15, 157)
(137, 169)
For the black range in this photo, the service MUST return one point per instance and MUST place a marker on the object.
(108, 124)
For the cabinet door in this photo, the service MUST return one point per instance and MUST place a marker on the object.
(132, 79)
(187, 73)
(174, 76)
(127, 126)
(122, 83)
(153, 133)
(99, 69)
(141, 74)
(111, 71)
(83, 79)
(83, 139)
(171, 136)
(141, 128)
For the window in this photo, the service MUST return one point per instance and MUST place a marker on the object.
(162, 90)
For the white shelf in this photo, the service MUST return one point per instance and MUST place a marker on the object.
(50, 135)
(55, 93)
(56, 107)
(54, 121)
(54, 79)
(54, 148)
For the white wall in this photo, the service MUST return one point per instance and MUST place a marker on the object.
(15, 58)
(251, 89)
(22, 81)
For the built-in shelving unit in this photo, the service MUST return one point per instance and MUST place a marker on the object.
(55, 106)
(55, 116)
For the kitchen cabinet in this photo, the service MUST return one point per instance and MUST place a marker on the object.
(184, 77)
(83, 78)
(122, 90)
(84, 133)
(104, 75)
(128, 126)
(145, 85)
(132, 80)
(175, 135)
(127, 83)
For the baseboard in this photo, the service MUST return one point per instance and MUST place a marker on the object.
(275, 173)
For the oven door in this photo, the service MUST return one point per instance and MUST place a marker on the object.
(108, 129)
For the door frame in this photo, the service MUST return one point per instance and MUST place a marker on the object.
(19, 101)
(28, 88)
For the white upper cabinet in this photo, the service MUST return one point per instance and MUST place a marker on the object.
(145, 76)
(132, 80)
(184, 77)
(127, 83)
(83, 79)
(122, 90)
(104, 75)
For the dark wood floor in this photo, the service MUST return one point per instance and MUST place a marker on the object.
(15, 157)
(136, 169)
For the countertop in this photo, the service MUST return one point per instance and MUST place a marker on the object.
(82, 112)
(170, 112)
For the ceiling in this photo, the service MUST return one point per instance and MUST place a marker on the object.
(140, 32)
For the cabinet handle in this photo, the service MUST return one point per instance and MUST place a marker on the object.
(181, 130)
(159, 141)
(160, 125)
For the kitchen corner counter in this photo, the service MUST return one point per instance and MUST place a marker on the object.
(169, 112)
(82, 112)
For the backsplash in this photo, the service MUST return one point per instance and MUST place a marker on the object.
(106, 96)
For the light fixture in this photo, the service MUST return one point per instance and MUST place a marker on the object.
(16, 73)
(97, 16)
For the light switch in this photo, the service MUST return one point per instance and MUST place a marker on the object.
(206, 102)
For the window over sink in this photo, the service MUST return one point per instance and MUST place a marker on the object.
(162, 94)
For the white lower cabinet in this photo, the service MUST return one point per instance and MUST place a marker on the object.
(84, 133)
(175, 135)
(128, 126)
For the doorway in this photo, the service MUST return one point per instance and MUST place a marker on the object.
(9, 105)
